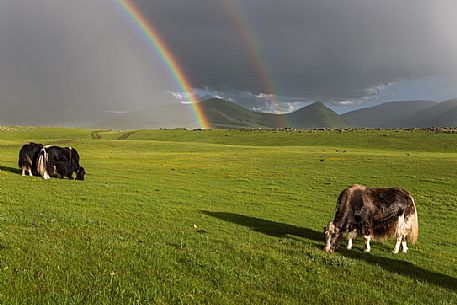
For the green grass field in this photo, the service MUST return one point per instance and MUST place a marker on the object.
(222, 217)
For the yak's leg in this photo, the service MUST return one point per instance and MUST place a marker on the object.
(46, 175)
(401, 235)
(351, 235)
(397, 244)
(349, 244)
(328, 230)
(367, 239)
(404, 245)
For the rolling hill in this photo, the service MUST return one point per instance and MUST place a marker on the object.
(442, 114)
(388, 115)
(405, 114)
(316, 115)
(224, 114)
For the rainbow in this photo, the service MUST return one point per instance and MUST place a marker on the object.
(167, 57)
(233, 7)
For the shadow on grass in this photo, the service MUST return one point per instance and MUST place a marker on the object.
(405, 268)
(268, 227)
(278, 229)
(10, 169)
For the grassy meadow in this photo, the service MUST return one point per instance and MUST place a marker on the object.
(222, 217)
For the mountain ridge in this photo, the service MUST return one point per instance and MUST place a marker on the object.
(223, 114)
(405, 114)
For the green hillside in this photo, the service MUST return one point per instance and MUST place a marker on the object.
(223, 114)
(316, 115)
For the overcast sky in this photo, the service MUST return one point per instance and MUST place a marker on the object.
(58, 53)
(329, 50)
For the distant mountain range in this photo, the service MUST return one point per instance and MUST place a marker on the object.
(403, 114)
(223, 114)
(391, 114)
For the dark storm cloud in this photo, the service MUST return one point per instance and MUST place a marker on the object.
(63, 59)
(68, 61)
(321, 49)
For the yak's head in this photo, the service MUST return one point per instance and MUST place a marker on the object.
(80, 173)
(332, 237)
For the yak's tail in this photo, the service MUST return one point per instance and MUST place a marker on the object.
(41, 166)
(413, 225)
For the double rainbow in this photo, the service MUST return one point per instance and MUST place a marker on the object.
(251, 41)
(234, 9)
(167, 57)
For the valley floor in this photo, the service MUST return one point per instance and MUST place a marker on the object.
(222, 217)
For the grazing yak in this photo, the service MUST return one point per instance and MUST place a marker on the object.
(374, 213)
(28, 157)
(59, 162)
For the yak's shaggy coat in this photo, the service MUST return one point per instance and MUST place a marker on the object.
(374, 213)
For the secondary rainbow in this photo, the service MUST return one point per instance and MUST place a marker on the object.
(164, 52)
(234, 9)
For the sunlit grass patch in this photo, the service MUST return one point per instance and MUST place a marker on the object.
(221, 217)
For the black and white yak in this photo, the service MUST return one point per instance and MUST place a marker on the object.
(28, 157)
(373, 213)
(59, 162)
